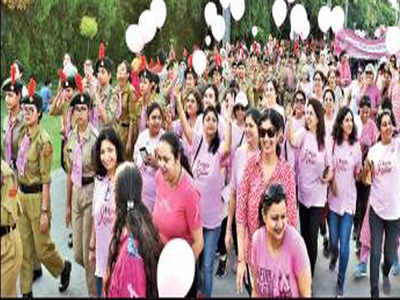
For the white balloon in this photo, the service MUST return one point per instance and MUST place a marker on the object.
(291, 1)
(337, 18)
(324, 18)
(147, 23)
(199, 62)
(225, 3)
(208, 40)
(279, 11)
(291, 35)
(175, 269)
(134, 38)
(392, 39)
(237, 9)
(305, 31)
(210, 12)
(218, 27)
(298, 16)
(159, 8)
(254, 31)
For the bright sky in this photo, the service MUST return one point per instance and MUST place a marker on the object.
(394, 4)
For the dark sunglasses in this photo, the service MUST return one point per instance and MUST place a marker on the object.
(270, 132)
(300, 99)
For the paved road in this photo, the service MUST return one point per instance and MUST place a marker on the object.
(46, 286)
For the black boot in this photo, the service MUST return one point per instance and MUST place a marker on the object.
(37, 274)
(65, 276)
(326, 247)
(28, 295)
(70, 244)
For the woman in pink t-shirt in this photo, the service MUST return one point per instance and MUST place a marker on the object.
(108, 154)
(209, 159)
(279, 260)
(314, 173)
(383, 161)
(318, 85)
(135, 244)
(262, 169)
(346, 158)
(177, 211)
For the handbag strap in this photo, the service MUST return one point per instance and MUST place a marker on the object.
(197, 151)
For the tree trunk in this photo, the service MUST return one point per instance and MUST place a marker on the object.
(87, 53)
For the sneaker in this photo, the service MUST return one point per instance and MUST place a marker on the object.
(339, 291)
(221, 270)
(37, 274)
(326, 247)
(386, 285)
(361, 270)
(28, 295)
(396, 269)
(65, 276)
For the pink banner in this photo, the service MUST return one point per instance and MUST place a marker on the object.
(359, 47)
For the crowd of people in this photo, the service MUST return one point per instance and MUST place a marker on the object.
(268, 148)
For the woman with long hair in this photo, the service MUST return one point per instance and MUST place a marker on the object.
(177, 211)
(279, 251)
(262, 170)
(209, 159)
(337, 90)
(383, 165)
(270, 97)
(135, 244)
(108, 153)
(314, 173)
(342, 196)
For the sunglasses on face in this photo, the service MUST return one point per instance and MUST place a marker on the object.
(270, 132)
(300, 99)
(81, 108)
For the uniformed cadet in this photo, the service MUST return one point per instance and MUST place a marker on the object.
(11, 245)
(13, 125)
(245, 86)
(80, 183)
(60, 106)
(126, 122)
(13, 128)
(104, 109)
(33, 171)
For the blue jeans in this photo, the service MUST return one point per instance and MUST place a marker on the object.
(339, 231)
(99, 286)
(211, 237)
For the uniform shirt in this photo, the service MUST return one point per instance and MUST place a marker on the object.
(10, 206)
(90, 137)
(17, 133)
(39, 157)
(105, 96)
(65, 111)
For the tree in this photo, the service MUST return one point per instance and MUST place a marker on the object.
(88, 29)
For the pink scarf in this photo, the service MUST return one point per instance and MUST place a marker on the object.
(23, 154)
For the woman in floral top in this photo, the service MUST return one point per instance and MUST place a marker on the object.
(135, 245)
(262, 170)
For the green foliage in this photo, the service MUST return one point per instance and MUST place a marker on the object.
(40, 35)
(88, 27)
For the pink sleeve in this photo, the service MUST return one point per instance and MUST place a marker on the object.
(143, 119)
(242, 195)
(358, 164)
(299, 255)
(193, 211)
(290, 189)
(328, 152)
(255, 244)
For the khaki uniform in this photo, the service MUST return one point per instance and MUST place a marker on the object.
(18, 133)
(37, 171)
(11, 245)
(110, 106)
(82, 202)
(131, 110)
(18, 130)
(247, 88)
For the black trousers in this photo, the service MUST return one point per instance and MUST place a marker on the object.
(361, 206)
(193, 289)
(221, 242)
(377, 227)
(310, 219)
